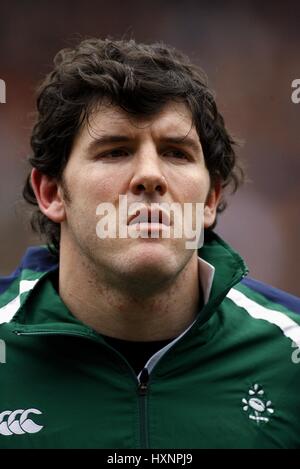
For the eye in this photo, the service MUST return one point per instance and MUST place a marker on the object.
(178, 154)
(116, 153)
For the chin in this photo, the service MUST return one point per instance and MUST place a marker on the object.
(150, 261)
(152, 250)
(144, 263)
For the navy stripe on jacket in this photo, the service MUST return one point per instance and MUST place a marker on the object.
(291, 302)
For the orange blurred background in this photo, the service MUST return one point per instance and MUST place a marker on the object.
(251, 53)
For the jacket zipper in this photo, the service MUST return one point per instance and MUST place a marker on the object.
(142, 381)
(84, 336)
(143, 407)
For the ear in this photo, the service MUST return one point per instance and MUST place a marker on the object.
(211, 204)
(48, 195)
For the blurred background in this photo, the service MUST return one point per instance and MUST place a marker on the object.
(251, 53)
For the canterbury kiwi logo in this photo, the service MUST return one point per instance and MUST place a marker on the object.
(17, 422)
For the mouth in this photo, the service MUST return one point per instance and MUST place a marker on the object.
(150, 218)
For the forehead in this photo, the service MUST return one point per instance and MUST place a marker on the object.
(173, 118)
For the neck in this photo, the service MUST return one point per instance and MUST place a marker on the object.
(162, 313)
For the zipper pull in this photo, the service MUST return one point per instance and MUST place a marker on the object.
(144, 379)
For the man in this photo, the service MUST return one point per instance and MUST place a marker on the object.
(138, 341)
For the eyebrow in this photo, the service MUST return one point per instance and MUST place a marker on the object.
(186, 141)
(174, 140)
(106, 139)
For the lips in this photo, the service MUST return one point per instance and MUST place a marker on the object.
(150, 215)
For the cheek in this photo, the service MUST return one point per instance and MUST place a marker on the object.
(94, 186)
(193, 187)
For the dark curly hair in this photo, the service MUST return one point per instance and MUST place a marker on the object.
(140, 79)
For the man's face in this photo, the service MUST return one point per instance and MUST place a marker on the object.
(150, 161)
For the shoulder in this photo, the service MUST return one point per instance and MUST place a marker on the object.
(268, 296)
(35, 263)
(266, 310)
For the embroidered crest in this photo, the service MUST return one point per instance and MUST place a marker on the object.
(257, 406)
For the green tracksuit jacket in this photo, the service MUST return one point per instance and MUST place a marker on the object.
(232, 380)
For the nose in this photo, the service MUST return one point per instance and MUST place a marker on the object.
(148, 177)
